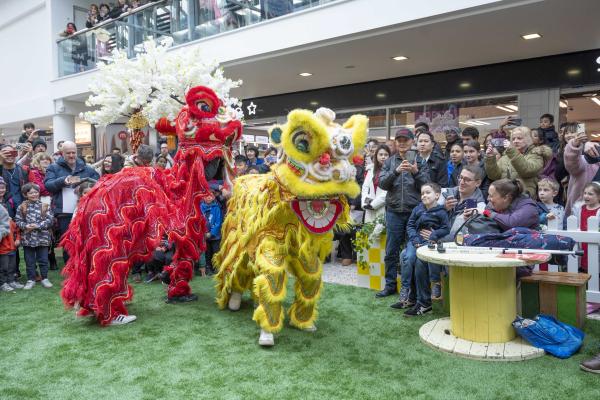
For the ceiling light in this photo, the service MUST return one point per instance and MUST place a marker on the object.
(562, 104)
(380, 95)
(305, 74)
(399, 58)
(314, 103)
(481, 122)
(574, 72)
(530, 36)
(504, 109)
(465, 85)
(512, 107)
(589, 94)
(596, 100)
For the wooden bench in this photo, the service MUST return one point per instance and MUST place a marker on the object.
(560, 294)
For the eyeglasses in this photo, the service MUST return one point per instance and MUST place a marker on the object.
(467, 180)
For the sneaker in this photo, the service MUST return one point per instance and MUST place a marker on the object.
(235, 300)
(385, 293)
(123, 319)
(417, 310)
(46, 283)
(436, 291)
(266, 339)
(150, 277)
(6, 288)
(591, 365)
(29, 285)
(404, 301)
(16, 285)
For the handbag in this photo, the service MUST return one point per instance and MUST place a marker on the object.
(547, 333)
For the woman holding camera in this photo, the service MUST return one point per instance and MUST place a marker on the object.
(373, 197)
(521, 160)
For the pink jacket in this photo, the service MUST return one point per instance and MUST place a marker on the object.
(580, 171)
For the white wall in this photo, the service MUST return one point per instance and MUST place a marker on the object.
(26, 69)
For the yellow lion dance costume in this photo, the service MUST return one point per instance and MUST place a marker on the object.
(283, 221)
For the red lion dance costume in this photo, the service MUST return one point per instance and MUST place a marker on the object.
(122, 220)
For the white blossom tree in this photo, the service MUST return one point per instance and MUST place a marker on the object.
(153, 85)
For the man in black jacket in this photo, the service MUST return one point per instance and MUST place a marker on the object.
(402, 178)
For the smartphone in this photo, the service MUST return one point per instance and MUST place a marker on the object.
(14, 153)
(498, 142)
(75, 179)
(580, 128)
(20, 146)
(411, 156)
(470, 203)
(515, 121)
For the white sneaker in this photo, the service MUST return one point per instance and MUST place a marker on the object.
(46, 283)
(16, 285)
(6, 288)
(29, 285)
(266, 339)
(312, 328)
(123, 319)
(235, 300)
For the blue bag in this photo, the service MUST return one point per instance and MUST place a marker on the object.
(546, 332)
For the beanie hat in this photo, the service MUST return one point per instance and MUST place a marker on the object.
(37, 142)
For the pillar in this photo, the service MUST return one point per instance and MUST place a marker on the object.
(534, 103)
(63, 126)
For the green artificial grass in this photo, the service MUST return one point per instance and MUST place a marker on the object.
(362, 350)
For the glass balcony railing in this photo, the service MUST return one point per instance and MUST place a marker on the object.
(183, 20)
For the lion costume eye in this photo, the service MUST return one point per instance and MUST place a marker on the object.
(301, 141)
(203, 106)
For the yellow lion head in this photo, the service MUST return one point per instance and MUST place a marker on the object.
(315, 154)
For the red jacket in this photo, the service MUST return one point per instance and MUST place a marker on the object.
(36, 176)
(7, 244)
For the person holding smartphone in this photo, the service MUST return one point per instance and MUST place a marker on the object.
(401, 176)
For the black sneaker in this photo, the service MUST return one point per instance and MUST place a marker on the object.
(403, 304)
(417, 310)
(151, 277)
(385, 293)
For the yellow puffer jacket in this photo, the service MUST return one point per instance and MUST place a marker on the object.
(513, 165)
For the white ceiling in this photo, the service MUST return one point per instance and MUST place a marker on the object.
(479, 37)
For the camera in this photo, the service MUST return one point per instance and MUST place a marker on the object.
(498, 142)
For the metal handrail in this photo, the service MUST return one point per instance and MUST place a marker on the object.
(82, 32)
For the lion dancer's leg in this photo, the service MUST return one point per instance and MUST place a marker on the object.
(269, 289)
(110, 294)
(307, 268)
(180, 273)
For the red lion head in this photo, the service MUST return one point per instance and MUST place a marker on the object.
(202, 121)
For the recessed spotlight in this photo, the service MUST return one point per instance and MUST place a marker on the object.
(512, 107)
(530, 36)
(381, 95)
(574, 72)
(465, 85)
(563, 104)
(305, 74)
(349, 66)
(399, 58)
(314, 103)
(595, 100)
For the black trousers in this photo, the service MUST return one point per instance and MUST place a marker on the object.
(212, 248)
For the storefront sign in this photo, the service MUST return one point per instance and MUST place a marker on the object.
(438, 117)
(83, 133)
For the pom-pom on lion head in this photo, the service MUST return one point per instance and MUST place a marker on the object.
(315, 153)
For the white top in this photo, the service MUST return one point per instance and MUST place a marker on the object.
(478, 257)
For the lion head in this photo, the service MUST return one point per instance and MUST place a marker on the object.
(315, 163)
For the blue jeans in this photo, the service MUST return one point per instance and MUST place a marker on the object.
(424, 275)
(36, 254)
(395, 226)
(408, 257)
